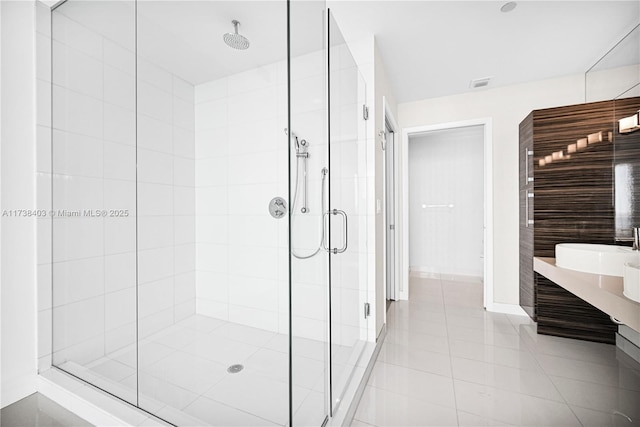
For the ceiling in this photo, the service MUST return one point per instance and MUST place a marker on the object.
(434, 48)
(430, 48)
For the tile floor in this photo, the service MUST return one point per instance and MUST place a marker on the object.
(37, 410)
(447, 362)
(183, 375)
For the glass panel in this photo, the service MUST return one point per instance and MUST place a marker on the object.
(617, 74)
(94, 193)
(309, 201)
(348, 218)
(213, 263)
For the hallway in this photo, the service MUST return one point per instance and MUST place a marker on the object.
(446, 362)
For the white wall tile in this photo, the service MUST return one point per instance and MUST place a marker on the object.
(120, 309)
(183, 114)
(119, 338)
(77, 280)
(154, 297)
(154, 134)
(120, 195)
(77, 71)
(253, 317)
(214, 228)
(119, 161)
(184, 310)
(211, 142)
(69, 331)
(184, 258)
(155, 167)
(119, 88)
(154, 75)
(183, 90)
(120, 234)
(253, 230)
(184, 287)
(154, 102)
(155, 199)
(184, 229)
(76, 36)
(211, 114)
(211, 171)
(155, 264)
(252, 106)
(117, 56)
(155, 232)
(212, 286)
(119, 125)
(120, 271)
(184, 200)
(215, 89)
(76, 113)
(184, 172)
(75, 154)
(211, 257)
(251, 80)
(253, 292)
(184, 143)
(250, 199)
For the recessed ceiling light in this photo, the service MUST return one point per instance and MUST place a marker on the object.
(475, 83)
(508, 7)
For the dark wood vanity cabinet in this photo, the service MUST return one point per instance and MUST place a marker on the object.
(570, 199)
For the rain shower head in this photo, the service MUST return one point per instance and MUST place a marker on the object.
(234, 39)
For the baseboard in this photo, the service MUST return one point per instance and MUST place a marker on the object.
(497, 307)
(19, 388)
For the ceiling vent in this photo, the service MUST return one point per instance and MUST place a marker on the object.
(476, 83)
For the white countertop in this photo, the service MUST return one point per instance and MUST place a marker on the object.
(602, 292)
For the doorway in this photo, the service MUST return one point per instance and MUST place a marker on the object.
(439, 213)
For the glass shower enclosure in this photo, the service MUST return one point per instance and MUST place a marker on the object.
(209, 180)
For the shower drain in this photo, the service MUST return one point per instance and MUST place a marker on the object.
(234, 369)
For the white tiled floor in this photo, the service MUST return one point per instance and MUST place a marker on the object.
(183, 375)
(448, 362)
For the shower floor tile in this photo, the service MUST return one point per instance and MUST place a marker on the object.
(183, 375)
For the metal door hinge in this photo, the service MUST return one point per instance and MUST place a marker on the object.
(367, 310)
(392, 227)
(365, 112)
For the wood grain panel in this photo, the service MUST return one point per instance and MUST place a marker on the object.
(574, 202)
(527, 286)
(579, 319)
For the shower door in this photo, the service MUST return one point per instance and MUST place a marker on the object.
(347, 213)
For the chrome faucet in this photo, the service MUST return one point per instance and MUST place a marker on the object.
(636, 238)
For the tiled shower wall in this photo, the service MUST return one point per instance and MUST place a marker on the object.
(242, 161)
(94, 167)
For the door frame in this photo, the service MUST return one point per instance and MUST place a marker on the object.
(393, 125)
(487, 125)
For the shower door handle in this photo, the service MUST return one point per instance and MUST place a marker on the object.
(343, 214)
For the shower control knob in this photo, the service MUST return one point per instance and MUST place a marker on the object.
(278, 207)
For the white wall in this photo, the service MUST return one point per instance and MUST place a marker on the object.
(18, 241)
(507, 106)
(446, 201)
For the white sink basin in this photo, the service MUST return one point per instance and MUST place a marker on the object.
(631, 275)
(595, 259)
